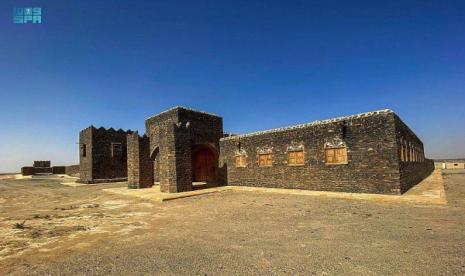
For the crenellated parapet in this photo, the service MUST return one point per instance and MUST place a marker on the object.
(103, 154)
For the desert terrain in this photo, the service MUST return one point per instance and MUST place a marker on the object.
(50, 228)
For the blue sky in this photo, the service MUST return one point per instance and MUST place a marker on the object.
(259, 64)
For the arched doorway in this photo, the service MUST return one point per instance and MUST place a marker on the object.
(203, 164)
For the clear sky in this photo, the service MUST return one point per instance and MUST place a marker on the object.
(259, 64)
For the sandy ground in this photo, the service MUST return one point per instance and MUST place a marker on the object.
(7, 175)
(49, 228)
(429, 191)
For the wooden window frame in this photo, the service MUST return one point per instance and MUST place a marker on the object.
(345, 162)
(242, 161)
(268, 162)
(295, 163)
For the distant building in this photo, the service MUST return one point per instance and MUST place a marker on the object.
(449, 164)
(44, 167)
(453, 165)
(372, 152)
(38, 167)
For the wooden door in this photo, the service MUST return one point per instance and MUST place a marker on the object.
(204, 166)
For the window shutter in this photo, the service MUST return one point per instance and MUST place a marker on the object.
(296, 157)
(336, 156)
(241, 161)
(300, 157)
(265, 160)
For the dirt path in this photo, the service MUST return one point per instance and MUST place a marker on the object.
(38, 215)
(82, 230)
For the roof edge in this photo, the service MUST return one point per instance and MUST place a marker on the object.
(184, 108)
(110, 129)
(313, 123)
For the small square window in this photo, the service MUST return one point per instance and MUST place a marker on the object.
(296, 158)
(116, 150)
(265, 160)
(241, 161)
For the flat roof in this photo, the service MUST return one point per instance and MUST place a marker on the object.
(314, 123)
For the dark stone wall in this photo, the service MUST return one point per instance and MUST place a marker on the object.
(182, 155)
(140, 166)
(85, 162)
(166, 146)
(27, 171)
(160, 131)
(36, 170)
(40, 167)
(106, 166)
(42, 164)
(173, 134)
(411, 171)
(59, 170)
(72, 170)
(43, 170)
(133, 160)
(372, 167)
(203, 128)
(99, 163)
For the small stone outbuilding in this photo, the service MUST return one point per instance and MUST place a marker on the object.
(102, 155)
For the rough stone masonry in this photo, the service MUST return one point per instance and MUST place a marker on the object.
(372, 152)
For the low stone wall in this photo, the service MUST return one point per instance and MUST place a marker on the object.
(58, 169)
(32, 170)
(72, 170)
(69, 170)
(42, 170)
(27, 171)
(108, 180)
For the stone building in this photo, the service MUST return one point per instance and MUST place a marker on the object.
(38, 167)
(183, 147)
(102, 155)
(371, 152)
(45, 167)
